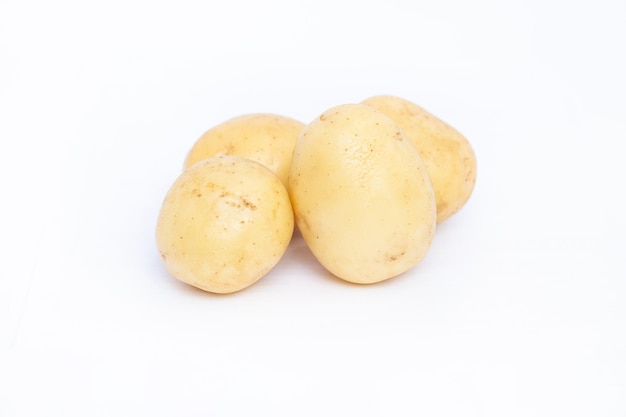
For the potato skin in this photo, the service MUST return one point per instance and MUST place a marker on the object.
(361, 195)
(265, 138)
(449, 157)
(224, 223)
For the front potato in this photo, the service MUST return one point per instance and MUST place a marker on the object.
(448, 155)
(361, 195)
(224, 223)
(265, 138)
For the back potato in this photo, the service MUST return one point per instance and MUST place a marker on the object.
(265, 138)
(448, 155)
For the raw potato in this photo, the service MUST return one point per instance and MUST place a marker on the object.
(224, 223)
(361, 195)
(448, 155)
(265, 138)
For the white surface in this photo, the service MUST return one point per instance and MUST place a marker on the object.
(518, 310)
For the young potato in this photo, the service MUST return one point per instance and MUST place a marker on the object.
(265, 138)
(225, 222)
(361, 195)
(448, 155)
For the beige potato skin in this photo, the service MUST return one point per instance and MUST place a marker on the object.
(265, 138)
(224, 223)
(449, 157)
(361, 195)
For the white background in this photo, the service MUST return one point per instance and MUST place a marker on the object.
(518, 309)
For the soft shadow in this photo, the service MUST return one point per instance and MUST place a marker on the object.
(299, 255)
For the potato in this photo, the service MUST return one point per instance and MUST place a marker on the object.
(224, 223)
(361, 195)
(265, 138)
(449, 157)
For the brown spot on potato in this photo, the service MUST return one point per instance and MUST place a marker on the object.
(248, 203)
(395, 257)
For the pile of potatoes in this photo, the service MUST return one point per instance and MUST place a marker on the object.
(365, 184)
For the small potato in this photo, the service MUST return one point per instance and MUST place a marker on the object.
(361, 195)
(265, 138)
(224, 223)
(448, 155)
